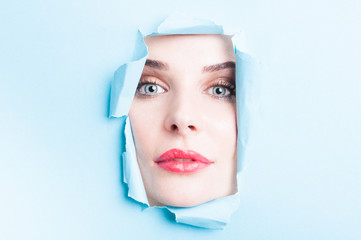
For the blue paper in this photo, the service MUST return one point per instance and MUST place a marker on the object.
(216, 213)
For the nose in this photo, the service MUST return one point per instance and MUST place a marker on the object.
(183, 116)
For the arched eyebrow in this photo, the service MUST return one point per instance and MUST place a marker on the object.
(219, 66)
(156, 64)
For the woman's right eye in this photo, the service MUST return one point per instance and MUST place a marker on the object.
(149, 89)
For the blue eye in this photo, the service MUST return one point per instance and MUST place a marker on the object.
(220, 91)
(150, 89)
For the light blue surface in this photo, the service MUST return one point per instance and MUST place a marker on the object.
(59, 161)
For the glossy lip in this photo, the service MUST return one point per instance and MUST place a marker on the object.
(179, 161)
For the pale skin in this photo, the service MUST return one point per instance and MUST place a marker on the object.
(186, 100)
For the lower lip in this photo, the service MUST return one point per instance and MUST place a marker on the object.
(179, 161)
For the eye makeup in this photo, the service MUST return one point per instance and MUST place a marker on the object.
(221, 88)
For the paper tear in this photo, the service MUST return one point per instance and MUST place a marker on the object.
(214, 214)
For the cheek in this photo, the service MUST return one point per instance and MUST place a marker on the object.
(222, 127)
(144, 121)
(222, 121)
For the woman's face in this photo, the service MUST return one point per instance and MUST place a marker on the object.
(183, 118)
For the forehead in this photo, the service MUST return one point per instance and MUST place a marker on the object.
(203, 49)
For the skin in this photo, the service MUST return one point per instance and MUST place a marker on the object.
(185, 100)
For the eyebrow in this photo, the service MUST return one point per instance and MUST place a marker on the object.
(211, 68)
(219, 66)
(156, 64)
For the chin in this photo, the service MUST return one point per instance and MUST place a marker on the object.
(183, 198)
(178, 190)
(187, 194)
(182, 201)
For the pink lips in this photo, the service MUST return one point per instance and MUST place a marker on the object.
(176, 160)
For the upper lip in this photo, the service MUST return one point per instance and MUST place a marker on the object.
(182, 154)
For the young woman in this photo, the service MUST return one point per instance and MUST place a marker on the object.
(183, 119)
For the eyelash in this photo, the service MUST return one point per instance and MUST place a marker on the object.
(227, 84)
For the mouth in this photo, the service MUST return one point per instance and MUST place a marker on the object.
(179, 161)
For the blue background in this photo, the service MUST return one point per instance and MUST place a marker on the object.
(60, 172)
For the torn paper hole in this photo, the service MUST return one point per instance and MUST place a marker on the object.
(177, 166)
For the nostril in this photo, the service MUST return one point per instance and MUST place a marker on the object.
(191, 127)
(174, 127)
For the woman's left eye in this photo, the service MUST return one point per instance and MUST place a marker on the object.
(220, 91)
